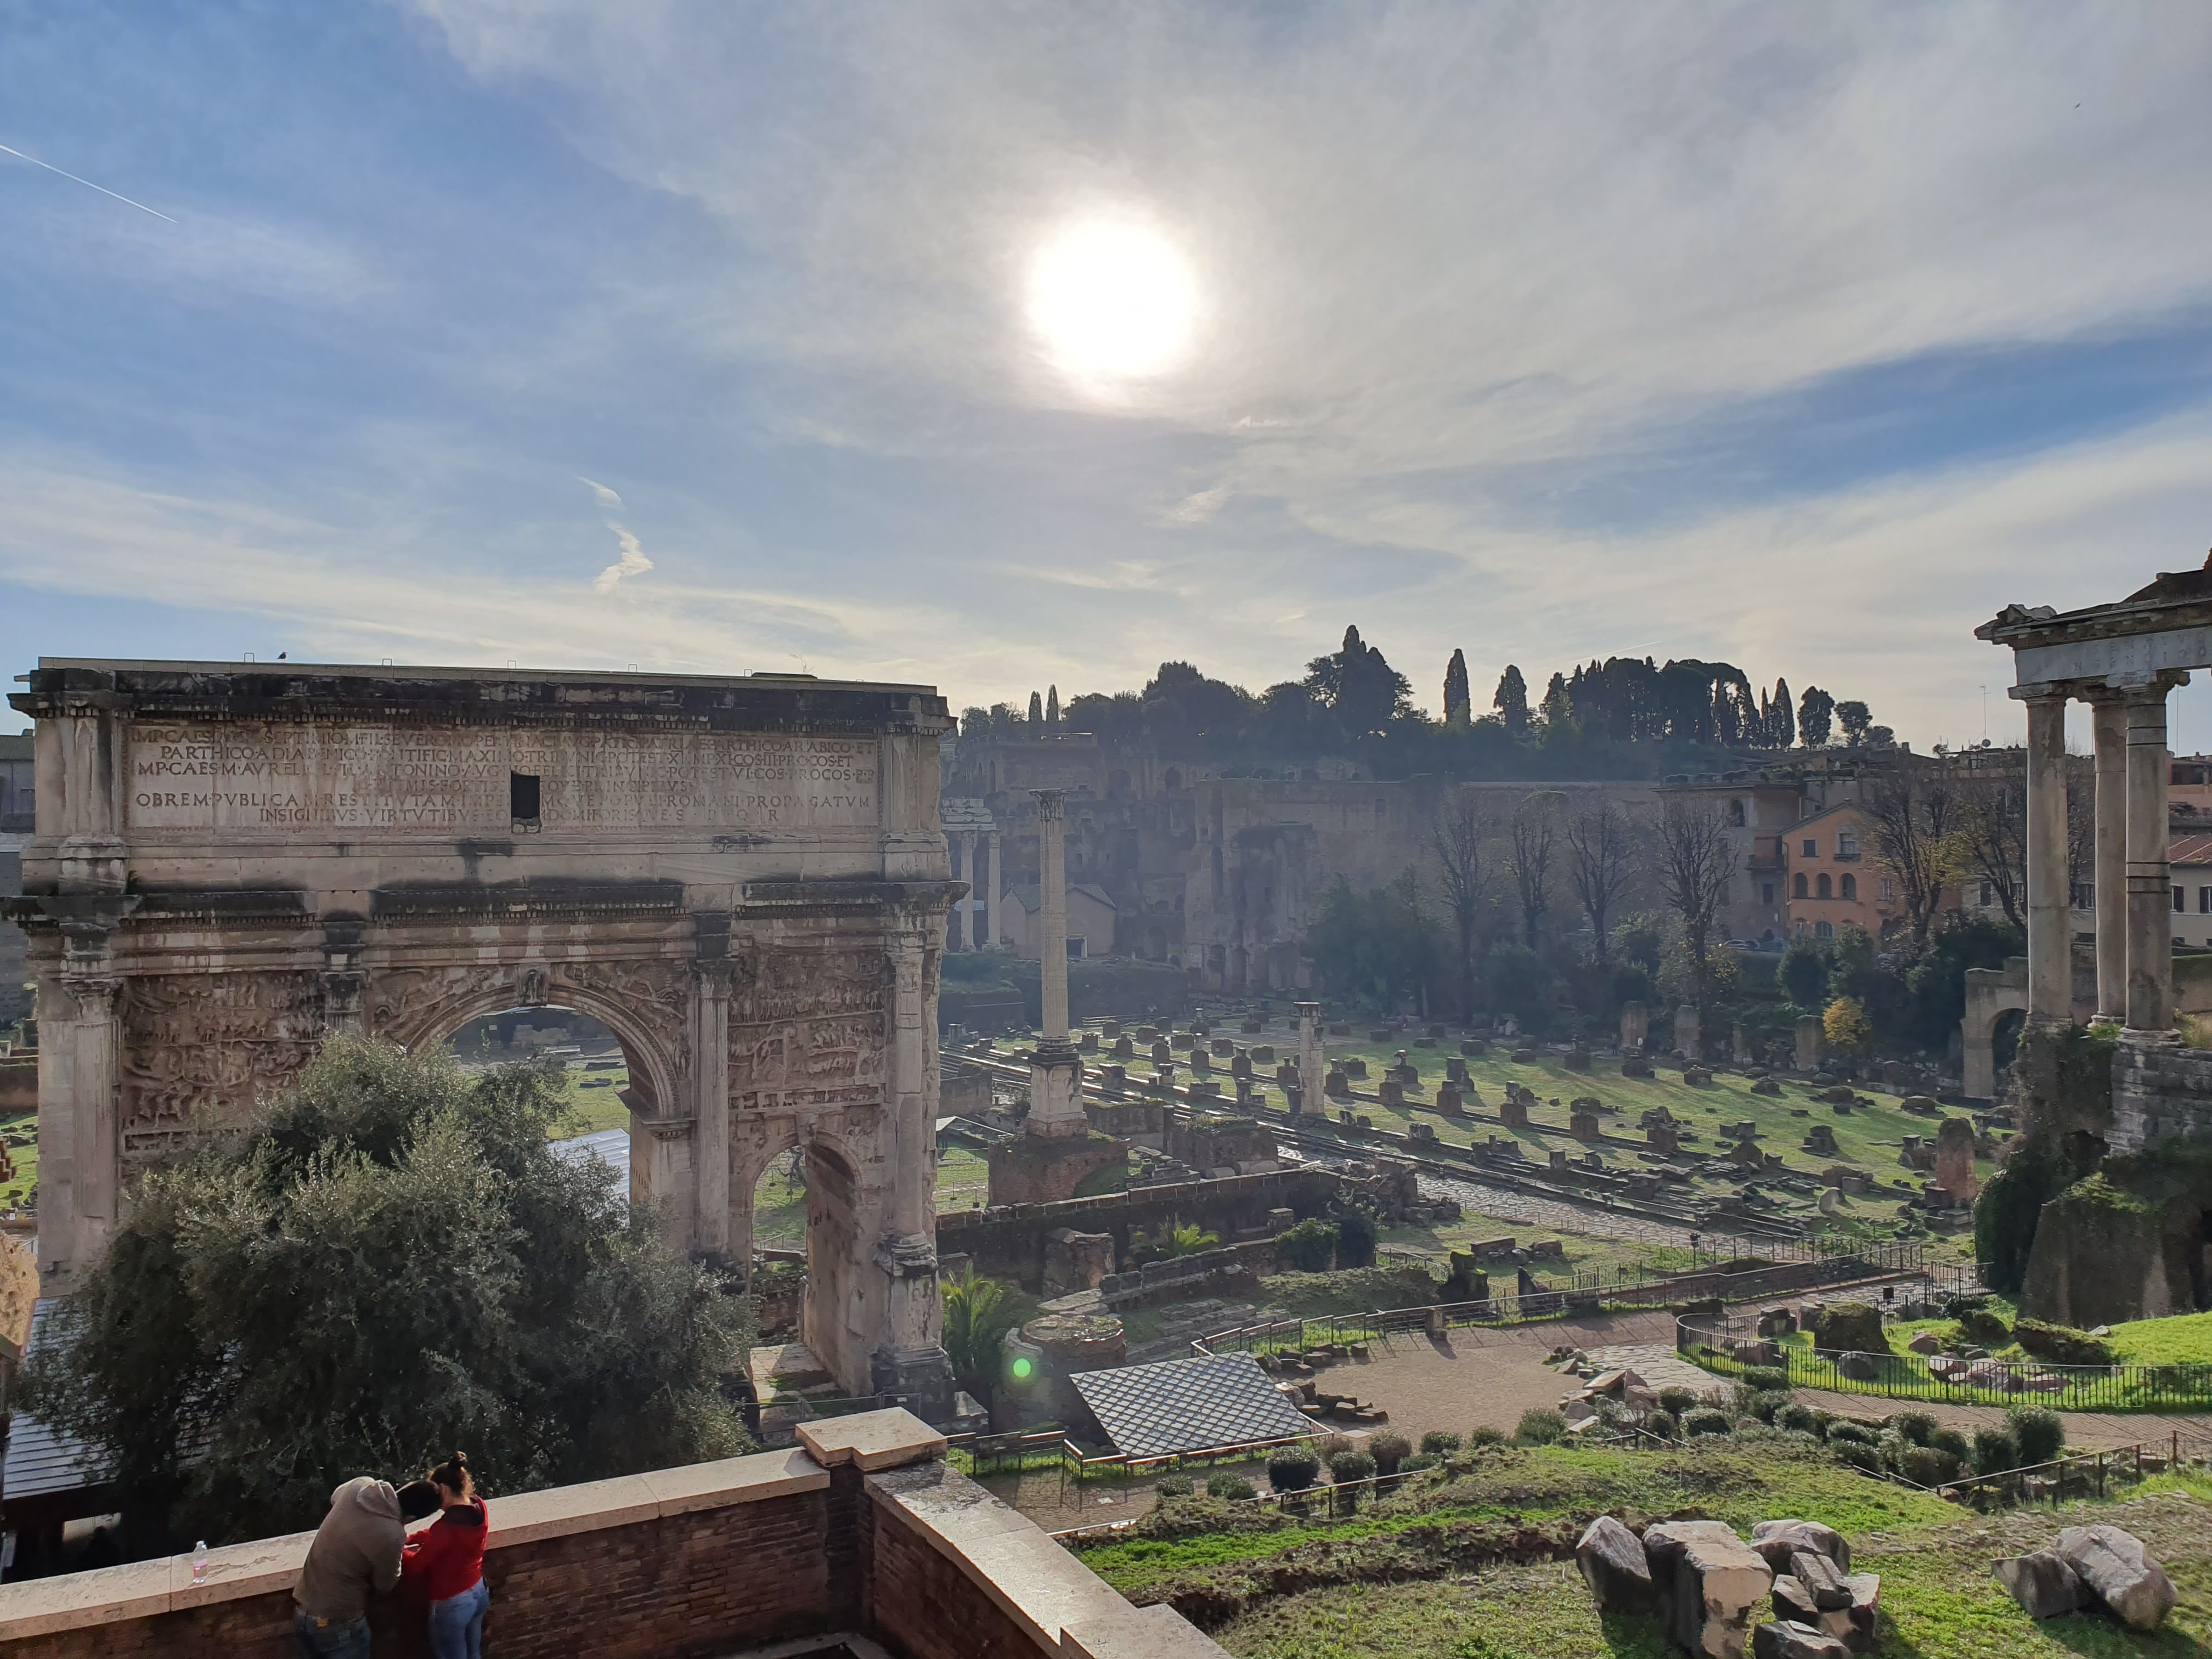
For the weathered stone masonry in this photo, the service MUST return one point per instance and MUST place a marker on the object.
(744, 879)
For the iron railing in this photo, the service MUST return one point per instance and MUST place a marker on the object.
(1718, 1343)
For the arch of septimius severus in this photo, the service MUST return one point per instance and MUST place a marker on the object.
(744, 879)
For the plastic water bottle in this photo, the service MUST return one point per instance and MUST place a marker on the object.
(199, 1562)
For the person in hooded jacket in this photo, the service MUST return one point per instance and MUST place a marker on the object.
(447, 1557)
(355, 1555)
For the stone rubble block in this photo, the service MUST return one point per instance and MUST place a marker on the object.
(1851, 1624)
(1614, 1564)
(1710, 1582)
(1779, 1540)
(1821, 1581)
(2042, 1583)
(1790, 1640)
(2113, 1564)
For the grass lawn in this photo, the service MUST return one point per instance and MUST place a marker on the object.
(1868, 1137)
(24, 1157)
(1471, 1564)
(963, 1179)
(2173, 1341)
(596, 1107)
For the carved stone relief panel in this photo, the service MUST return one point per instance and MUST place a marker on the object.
(808, 1028)
(221, 1040)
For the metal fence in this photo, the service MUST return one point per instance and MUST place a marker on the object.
(1729, 1346)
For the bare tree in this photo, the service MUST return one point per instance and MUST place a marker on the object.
(1459, 843)
(1600, 866)
(1535, 833)
(1692, 858)
(1914, 822)
(1992, 820)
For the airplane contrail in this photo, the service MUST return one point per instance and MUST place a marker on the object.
(87, 182)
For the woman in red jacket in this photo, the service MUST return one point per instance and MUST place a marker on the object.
(447, 1557)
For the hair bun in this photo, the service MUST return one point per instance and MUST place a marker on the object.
(460, 1460)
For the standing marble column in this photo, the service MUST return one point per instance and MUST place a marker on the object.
(2109, 864)
(911, 1363)
(2150, 877)
(993, 882)
(1311, 1060)
(80, 1071)
(710, 1099)
(1055, 1072)
(2049, 961)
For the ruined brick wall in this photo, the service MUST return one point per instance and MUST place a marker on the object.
(2160, 1094)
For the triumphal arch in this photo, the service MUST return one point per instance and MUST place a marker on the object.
(743, 879)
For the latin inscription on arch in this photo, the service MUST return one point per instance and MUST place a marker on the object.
(404, 779)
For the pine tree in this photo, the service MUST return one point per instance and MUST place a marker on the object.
(1036, 713)
(1458, 700)
(1783, 732)
(1816, 709)
(1558, 708)
(1052, 709)
(1511, 702)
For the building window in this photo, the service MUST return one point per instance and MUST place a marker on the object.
(1735, 814)
(2205, 901)
(1812, 848)
(1766, 893)
(522, 795)
(1382, 807)
(1823, 930)
(1797, 889)
(1825, 889)
(1888, 889)
(1850, 887)
(2180, 903)
(1847, 843)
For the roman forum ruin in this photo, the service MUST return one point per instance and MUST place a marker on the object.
(743, 879)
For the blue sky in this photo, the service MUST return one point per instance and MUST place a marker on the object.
(697, 337)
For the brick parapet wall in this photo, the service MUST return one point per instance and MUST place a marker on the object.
(2160, 1093)
(863, 1528)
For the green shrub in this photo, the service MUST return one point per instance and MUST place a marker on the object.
(2061, 1345)
(1982, 1326)
(1307, 1248)
(1955, 1443)
(2038, 1432)
(1478, 1438)
(1664, 1426)
(1765, 1379)
(1918, 1427)
(1843, 1432)
(1677, 1400)
(1704, 1421)
(1925, 1466)
(1348, 1466)
(1175, 1485)
(1995, 1451)
(1293, 1470)
(1416, 1462)
(1765, 1404)
(1233, 1486)
(1329, 1445)
(1542, 1426)
(1439, 1443)
(1801, 1419)
(1857, 1454)
(1389, 1450)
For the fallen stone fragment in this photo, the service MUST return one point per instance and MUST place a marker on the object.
(1790, 1640)
(2042, 1583)
(1822, 1582)
(1709, 1583)
(2113, 1563)
(1614, 1566)
(1778, 1541)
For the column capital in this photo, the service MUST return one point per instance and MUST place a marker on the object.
(1051, 803)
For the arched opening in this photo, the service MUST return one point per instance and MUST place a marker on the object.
(1826, 891)
(595, 1071)
(1823, 930)
(834, 1323)
(2004, 1042)
(1850, 887)
(1797, 888)
(1735, 815)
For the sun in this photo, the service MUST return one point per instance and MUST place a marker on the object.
(1113, 301)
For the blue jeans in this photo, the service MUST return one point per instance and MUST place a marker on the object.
(457, 1623)
(321, 1639)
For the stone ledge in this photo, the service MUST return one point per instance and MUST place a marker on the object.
(871, 1440)
(262, 1566)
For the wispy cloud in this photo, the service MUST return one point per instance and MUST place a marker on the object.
(633, 562)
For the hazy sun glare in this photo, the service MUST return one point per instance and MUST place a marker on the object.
(1113, 301)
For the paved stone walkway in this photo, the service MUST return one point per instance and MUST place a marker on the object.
(1552, 1213)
